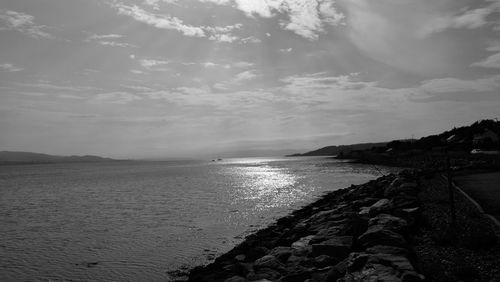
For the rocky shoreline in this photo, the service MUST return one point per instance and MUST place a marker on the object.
(361, 233)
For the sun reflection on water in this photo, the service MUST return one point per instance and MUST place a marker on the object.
(262, 187)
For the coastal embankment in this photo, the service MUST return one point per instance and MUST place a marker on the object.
(394, 228)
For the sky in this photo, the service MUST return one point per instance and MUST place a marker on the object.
(186, 78)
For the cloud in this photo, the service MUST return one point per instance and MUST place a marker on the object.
(288, 50)
(320, 81)
(105, 36)
(492, 61)
(194, 91)
(246, 75)
(250, 39)
(121, 98)
(222, 34)
(468, 19)
(243, 64)
(137, 71)
(306, 18)
(109, 40)
(240, 64)
(156, 3)
(23, 23)
(238, 79)
(153, 65)
(159, 21)
(9, 68)
(455, 85)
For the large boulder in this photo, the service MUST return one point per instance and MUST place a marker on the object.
(378, 235)
(256, 252)
(296, 273)
(235, 279)
(337, 247)
(381, 206)
(337, 272)
(390, 250)
(388, 221)
(380, 267)
(281, 253)
(301, 247)
(268, 261)
(263, 274)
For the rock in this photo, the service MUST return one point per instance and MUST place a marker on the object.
(392, 250)
(363, 202)
(326, 234)
(243, 268)
(405, 187)
(328, 215)
(405, 200)
(281, 253)
(268, 261)
(380, 267)
(324, 260)
(337, 247)
(355, 226)
(301, 229)
(302, 247)
(378, 235)
(294, 260)
(235, 279)
(240, 257)
(296, 274)
(338, 271)
(388, 221)
(376, 272)
(382, 205)
(256, 252)
(411, 215)
(263, 274)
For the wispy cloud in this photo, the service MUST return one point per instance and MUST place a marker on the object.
(10, 68)
(321, 81)
(454, 85)
(153, 64)
(246, 75)
(159, 21)
(238, 79)
(109, 40)
(215, 33)
(22, 22)
(306, 18)
(468, 19)
(492, 61)
(120, 98)
(156, 3)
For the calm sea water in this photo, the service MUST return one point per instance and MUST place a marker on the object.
(136, 221)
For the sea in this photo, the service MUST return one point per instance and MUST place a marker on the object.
(149, 221)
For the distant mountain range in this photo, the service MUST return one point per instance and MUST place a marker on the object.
(335, 150)
(8, 157)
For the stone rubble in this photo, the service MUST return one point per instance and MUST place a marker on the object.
(356, 234)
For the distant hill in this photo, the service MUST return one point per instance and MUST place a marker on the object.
(8, 157)
(473, 146)
(335, 150)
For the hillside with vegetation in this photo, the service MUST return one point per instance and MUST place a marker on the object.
(475, 145)
(335, 150)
